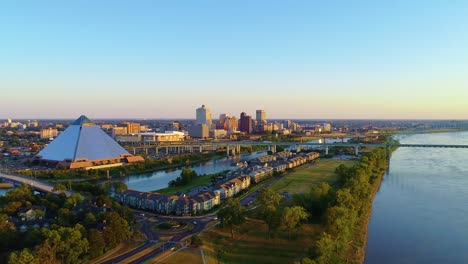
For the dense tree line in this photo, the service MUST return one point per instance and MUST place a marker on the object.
(345, 212)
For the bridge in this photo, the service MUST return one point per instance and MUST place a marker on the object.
(233, 147)
(37, 185)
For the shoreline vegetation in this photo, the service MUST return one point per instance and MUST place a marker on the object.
(347, 218)
(339, 206)
(148, 166)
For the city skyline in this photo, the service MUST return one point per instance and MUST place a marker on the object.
(301, 60)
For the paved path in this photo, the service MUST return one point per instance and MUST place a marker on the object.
(202, 252)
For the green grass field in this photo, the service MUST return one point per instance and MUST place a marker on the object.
(187, 255)
(307, 176)
(199, 181)
(251, 245)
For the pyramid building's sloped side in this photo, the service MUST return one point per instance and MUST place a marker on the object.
(95, 144)
(63, 147)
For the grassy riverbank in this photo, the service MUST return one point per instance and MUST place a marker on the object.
(348, 215)
(6, 185)
(310, 175)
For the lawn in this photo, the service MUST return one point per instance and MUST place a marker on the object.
(301, 180)
(199, 181)
(250, 244)
(187, 255)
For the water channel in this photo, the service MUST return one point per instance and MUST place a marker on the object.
(160, 179)
(420, 213)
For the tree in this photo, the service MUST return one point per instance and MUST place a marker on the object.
(89, 219)
(292, 217)
(23, 257)
(69, 243)
(119, 186)
(96, 239)
(269, 201)
(45, 252)
(6, 225)
(231, 214)
(65, 217)
(59, 188)
(325, 249)
(196, 240)
(23, 194)
(73, 200)
(103, 200)
(117, 229)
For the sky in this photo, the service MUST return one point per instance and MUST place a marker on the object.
(294, 59)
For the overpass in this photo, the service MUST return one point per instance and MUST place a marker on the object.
(233, 147)
(37, 185)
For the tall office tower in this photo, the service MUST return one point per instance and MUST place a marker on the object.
(204, 116)
(222, 118)
(245, 123)
(231, 124)
(132, 128)
(261, 117)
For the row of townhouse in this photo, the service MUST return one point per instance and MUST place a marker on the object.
(259, 174)
(311, 156)
(234, 186)
(283, 154)
(183, 204)
(263, 159)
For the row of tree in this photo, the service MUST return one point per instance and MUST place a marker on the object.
(346, 211)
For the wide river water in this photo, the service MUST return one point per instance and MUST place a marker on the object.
(420, 213)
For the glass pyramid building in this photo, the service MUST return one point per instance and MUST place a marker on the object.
(85, 145)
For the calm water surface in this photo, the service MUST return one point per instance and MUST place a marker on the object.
(420, 214)
(4, 191)
(160, 179)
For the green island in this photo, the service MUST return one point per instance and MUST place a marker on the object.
(197, 181)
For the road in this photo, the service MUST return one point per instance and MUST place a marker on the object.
(34, 183)
(148, 220)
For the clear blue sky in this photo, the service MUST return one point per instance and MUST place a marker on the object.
(295, 59)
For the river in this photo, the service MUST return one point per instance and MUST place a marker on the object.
(160, 179)
(420, 213)
(4, 191)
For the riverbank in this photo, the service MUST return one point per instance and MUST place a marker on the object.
(147, 166)
(6, 185)
(364, 225)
